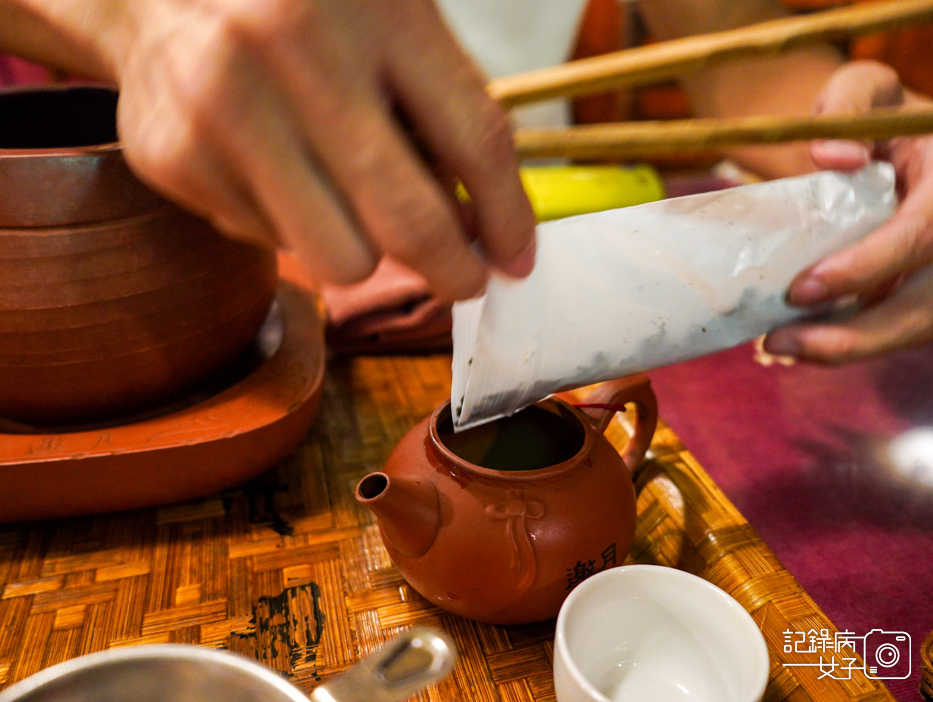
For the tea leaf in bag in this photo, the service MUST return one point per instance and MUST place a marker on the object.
(623, 291)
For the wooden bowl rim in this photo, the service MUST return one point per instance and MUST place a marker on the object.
(94, 151)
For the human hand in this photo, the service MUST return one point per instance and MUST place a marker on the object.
(890, 271)
(302, 123)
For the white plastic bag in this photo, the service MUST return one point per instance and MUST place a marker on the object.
(627, 290)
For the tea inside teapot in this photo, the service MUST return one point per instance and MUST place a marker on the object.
(530, 439)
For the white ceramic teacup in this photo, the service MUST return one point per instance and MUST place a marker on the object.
(650, 633)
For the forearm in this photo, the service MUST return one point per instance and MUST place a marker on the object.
(786, 84)
(78, 37)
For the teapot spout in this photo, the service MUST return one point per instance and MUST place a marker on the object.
(408, 511)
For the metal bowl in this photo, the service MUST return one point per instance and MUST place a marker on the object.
(187, 673)
(156, 673)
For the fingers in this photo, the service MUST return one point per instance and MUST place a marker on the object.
(840, 154)
(473, 136)
(856, 88)
(859, 86)
(403, 209)
(170, 154)
(257, 139)
(214, 132)
(900, 246)
(903, 320)
(277, 119)
(346, 118)
(889, 270)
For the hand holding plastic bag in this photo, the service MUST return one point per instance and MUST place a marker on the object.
(623, 291)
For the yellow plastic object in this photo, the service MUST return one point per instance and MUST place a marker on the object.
(563, 191)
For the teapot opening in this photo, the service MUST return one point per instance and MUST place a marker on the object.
(54, 119)
(531, 439)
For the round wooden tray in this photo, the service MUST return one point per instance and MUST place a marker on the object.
(209, 445)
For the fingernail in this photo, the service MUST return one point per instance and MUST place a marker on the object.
(782, 345)
(844, 149)
(808, 291)
(522, 265)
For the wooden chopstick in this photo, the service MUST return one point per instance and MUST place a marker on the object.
(649, 64)
(637, 139)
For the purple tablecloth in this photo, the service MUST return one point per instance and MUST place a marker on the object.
(802, 452)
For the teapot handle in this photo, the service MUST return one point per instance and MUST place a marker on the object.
(603, 402)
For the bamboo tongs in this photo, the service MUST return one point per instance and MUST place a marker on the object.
(650, 64)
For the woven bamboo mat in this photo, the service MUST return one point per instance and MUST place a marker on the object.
(291, 571)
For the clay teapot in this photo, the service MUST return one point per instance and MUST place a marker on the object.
(112, 300)
(498, 523)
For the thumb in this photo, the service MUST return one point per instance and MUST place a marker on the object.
(856, 88)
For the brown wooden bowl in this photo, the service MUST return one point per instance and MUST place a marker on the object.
(112, 299)
(201, 444)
